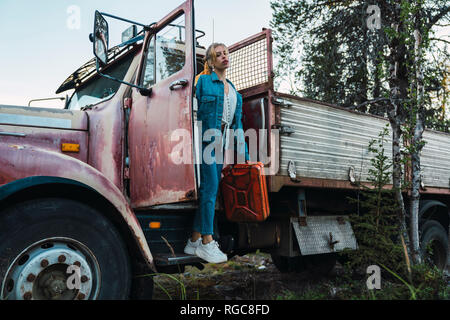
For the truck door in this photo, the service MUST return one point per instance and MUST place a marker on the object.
(160, 128)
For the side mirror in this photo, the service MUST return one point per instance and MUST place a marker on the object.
(101, 38)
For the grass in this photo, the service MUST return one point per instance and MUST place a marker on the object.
(428, 284)
(245, 281)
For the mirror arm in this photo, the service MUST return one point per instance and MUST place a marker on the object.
(146, 27)
(143, 91)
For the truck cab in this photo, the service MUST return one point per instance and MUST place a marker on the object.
(93, 180)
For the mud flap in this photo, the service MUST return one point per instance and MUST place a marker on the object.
(323, 234)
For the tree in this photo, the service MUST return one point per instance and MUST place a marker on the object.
(329, 52)
(408, 38)
(339, 60)
(375, 229)
(388, 71)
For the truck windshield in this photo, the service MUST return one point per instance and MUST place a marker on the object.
(99, 88)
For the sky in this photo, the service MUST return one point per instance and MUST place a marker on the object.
(44, 41)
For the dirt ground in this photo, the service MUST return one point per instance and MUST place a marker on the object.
(249, 277)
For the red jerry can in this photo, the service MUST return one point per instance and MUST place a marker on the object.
(244, 193)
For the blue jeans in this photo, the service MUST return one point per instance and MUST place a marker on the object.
(210, 175)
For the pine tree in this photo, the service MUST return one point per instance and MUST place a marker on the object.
(327, 51)
(376, 225)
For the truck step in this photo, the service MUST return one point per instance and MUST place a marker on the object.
(182, 258)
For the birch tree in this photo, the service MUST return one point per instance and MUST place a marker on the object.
(397, 111)
(417, 125)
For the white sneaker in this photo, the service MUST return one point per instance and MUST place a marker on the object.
(211, 253)
(191, 246)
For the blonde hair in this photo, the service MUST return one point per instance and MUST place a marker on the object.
(209, 59)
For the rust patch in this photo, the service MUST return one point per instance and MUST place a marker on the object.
(16, 147)
(190, 195)
(302, 221)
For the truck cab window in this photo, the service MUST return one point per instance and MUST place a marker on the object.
(166, 53)
(99, 88)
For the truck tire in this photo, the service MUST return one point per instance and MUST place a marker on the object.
(434, 244)
(60, 249)
(142, 288)
(322, 264)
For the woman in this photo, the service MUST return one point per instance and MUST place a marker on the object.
(220, 109)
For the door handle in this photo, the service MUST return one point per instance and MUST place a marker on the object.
(178, 83)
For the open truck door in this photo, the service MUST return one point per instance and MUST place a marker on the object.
(161, 127)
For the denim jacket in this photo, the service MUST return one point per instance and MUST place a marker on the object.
(210, 96)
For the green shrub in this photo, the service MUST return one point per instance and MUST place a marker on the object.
(377, 231)
(376, 223)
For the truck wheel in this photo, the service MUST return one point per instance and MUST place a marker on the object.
(434, 244)
(142, 288)
(322, 264)
(60, 249)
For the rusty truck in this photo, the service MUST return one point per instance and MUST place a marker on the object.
(94, 187)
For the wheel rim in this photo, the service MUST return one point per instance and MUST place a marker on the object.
(41, 272)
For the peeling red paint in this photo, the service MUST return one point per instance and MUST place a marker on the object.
(154, 178)
(33, 161)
